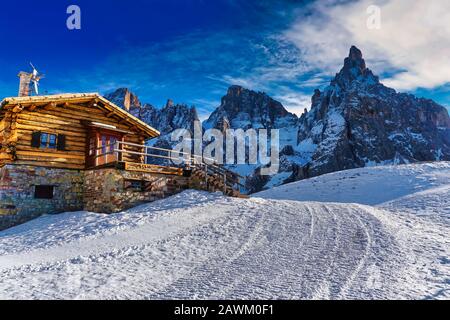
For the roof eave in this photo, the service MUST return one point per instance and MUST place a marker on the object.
(150, 131)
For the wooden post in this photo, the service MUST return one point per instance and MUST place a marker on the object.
(225, 183)
(116, 150)
(146, 153)
(96, 149)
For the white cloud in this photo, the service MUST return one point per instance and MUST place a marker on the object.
(412, 45)
(295, 102)
(246, 82)
(204, 107)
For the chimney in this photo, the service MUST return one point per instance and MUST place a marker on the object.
(24, 86)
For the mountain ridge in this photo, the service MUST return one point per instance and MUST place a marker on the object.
(354, 122)
(357, 121)
(244, 108)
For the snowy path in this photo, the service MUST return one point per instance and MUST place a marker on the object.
(199, 245)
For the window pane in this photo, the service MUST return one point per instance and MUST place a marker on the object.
(103, 144)
(112, 143)
(52, 141)
(44, 140)
(91, 146)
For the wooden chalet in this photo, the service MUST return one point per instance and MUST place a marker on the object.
(71, 131)
(82, 152)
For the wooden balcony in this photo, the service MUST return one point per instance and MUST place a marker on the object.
(205, 173)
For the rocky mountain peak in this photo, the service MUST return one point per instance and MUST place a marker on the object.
(234, 90)
(244, 108)
(169, 103)
(176, 116)
(357, 121)
(124, 98)
(355, 59)
(354, 71)
(171, 117)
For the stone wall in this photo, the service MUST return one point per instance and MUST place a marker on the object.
(111, 190)
(105, 190)
(17, 192)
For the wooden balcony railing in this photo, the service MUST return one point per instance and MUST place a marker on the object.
(203, 167)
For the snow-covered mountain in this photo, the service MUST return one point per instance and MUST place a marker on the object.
(165, 120)
(357, 121)
(171, 117)
(384, 236)
(245, 109)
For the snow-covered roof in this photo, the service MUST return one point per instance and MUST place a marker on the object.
(80, 98)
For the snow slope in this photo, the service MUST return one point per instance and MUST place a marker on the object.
(374, 186)
(377, 232)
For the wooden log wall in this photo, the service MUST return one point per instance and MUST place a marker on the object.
(60, 119)
(8, 138)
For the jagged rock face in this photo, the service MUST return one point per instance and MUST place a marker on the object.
(245, 109)
(165, 120)
(177, 116)
(357, 121)
(169, 118)
(149, 114)
(125, 99)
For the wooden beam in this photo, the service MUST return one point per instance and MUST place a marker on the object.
(32, 107)
(93, 103)
(55, 154)
(50, 106)
(150, 168)
(109, 115)
(51, 164)
(17, 108)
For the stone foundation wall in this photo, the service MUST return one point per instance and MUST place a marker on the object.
(110, 190)
(105, 190)
(17, 192)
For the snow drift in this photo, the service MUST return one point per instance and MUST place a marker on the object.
(359, 234)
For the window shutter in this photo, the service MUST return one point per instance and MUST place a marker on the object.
(61, 143)
(36, 139)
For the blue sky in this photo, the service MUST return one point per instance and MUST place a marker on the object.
(192, 50)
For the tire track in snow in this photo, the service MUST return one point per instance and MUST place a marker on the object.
(323, 290)
(118, 240)
(242, 249)
(308, 265)
(202, 279)
(362, 262)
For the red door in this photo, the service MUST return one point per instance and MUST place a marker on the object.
(101, 148)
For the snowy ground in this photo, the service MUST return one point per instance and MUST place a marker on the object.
(379, 232)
